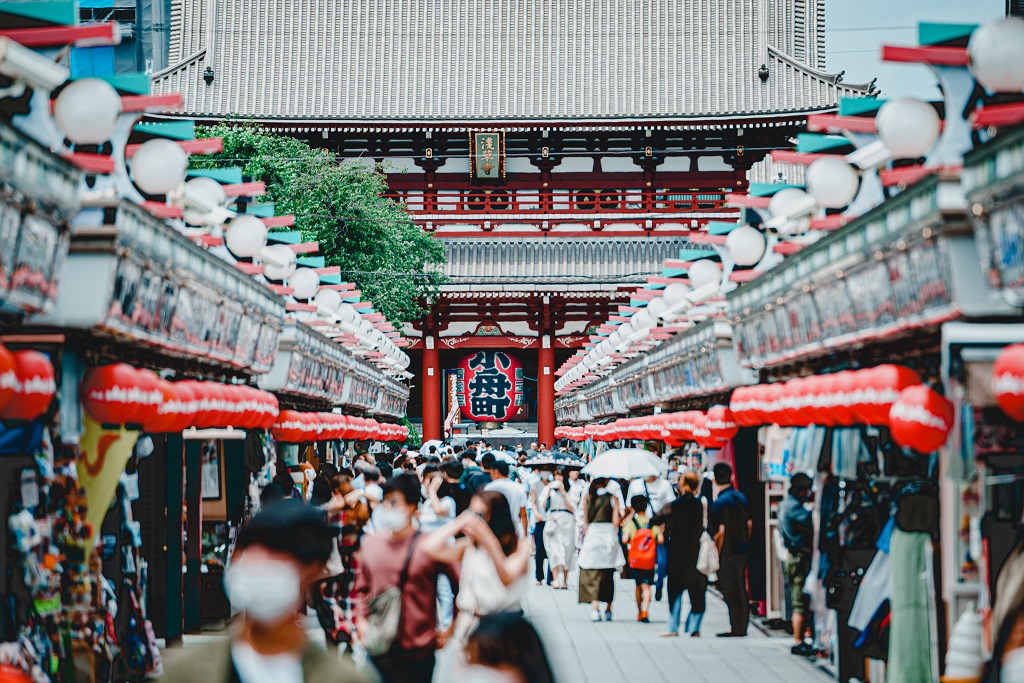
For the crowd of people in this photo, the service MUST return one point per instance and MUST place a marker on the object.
(401, 555)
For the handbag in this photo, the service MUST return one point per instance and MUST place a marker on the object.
(386, 612)
(707, 555)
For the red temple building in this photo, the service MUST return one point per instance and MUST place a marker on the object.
(562, 149)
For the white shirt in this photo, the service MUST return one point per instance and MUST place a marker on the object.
(661, 493)
(515, 494)
(254, 667)
(430, 520)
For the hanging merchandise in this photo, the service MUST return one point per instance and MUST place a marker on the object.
(1008, 381)
(104, 454)
(35, 388)
(921, 419)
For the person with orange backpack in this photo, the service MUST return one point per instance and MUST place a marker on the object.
(642, 538)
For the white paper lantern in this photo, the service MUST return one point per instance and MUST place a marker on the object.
(159, 166)
(908, 127)
(746, 245)
(657, 306)
(327, 302)
(87, 111)
(643, 320)
(704, 272)
(832, 182)
(246, 236)
(278, 262)
(304, 283)
(210, 193)
(996, 49)
(676, 293)
(347, 313)
(797, 205)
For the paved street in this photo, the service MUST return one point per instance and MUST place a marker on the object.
(625, 651)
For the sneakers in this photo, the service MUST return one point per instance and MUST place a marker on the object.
(608, 615)
(643, 618)
(595, 616)
(804, 650)
(668, 634)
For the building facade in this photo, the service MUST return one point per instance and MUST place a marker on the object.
(561, 149)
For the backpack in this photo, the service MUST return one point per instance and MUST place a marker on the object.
(643, 550)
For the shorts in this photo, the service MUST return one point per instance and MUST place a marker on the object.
(798, 565)
(643, 576)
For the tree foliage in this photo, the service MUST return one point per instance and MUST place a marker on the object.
(339, 205)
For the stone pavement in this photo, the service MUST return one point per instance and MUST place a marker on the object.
(625, 651)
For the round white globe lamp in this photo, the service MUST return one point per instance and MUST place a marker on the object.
(304, 283)
(908, 127)
(832, 182)
(87, 111)
(209, 192)
(327, 302)
(246, 236)
(791, 202)
(657, 306)
(704, 272)
(278, 262)
(746, 245)
(159, 166)
(996, 50)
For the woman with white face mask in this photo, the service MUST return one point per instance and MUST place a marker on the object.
(560, 527)
(278, 556)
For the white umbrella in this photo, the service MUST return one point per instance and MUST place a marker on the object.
(625, 463)
(499, 455)
(425, 446)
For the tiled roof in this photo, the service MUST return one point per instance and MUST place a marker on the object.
(493, 60)
(554, 260)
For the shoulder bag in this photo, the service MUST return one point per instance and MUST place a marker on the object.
(707, 555)
(386, 612)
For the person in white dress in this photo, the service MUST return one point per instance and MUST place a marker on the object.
(601, 554)
(559, 528)
(493, 557)
(577, 490)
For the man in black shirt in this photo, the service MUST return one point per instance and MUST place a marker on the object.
(731, 526)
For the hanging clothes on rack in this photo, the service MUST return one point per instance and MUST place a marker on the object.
(912, 647)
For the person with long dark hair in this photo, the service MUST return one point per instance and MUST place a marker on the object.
(684, 518)
(493, 558)
(601, 554)
(505, 643)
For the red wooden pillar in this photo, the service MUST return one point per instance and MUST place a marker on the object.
(432, 428)
(546, 392)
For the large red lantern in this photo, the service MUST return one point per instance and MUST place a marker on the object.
(167, 413)
(8, 376)
(1008, 381)
(290, 427)
(37, 384)
(183, 410)
(878, 388)
(111, 393)
(490, 386)
(721, 423)
(920, 419)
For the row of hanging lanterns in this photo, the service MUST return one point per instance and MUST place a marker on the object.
(293, 426)
(711, 429)
(27, 384)
(119, 394)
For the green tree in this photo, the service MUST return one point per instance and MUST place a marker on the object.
(339, 205)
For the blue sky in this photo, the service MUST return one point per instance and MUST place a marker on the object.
(855, 30)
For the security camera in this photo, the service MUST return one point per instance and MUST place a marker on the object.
(30, 67)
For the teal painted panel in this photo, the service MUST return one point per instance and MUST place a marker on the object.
(929, 33)
(50, 12)
(285, 236)
(311, 261)
(811, 143)
(769, 189)
(228, 176)
(858, 106)
(129, 84)
(261, 210)
(175, 130)
(719, 228)
(694, 254)
(330, 279)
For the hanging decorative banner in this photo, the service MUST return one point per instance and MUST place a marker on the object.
(105, 452)
(487, 155)
(490, 386)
